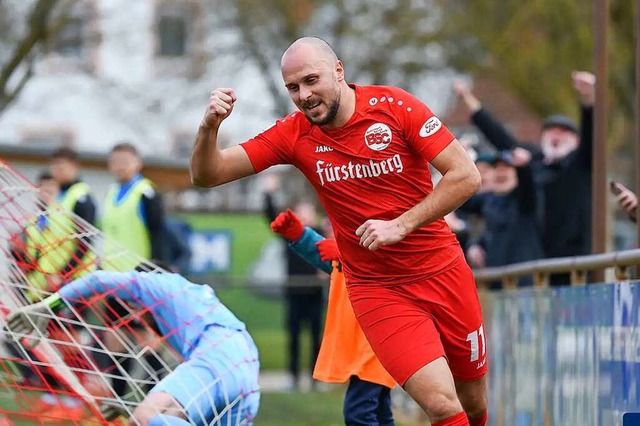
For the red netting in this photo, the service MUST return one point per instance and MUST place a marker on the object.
(89, 356)
(95, 355)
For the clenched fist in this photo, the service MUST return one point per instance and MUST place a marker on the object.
(585, 84)
(220, 106)
(376, 233)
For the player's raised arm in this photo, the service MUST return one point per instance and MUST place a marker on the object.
(211, 166)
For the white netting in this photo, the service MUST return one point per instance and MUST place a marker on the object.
(117, 340)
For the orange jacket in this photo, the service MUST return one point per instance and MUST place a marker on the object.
(345, 351)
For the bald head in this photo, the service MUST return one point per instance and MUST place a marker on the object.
(314, 78)
(313, 46)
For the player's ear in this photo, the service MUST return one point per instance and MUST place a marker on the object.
(339, 69)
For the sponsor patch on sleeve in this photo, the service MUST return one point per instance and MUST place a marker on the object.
(430, 127)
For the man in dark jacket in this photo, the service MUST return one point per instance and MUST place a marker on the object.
(512, 233)
(303, 291)
(562, 170)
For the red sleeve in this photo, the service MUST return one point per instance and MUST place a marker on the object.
(274, 145)
(422, 129)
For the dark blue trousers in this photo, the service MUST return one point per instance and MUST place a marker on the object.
(367, 404)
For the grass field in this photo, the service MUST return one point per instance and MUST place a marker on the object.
(276, 409)
(264, 318)
(296, 409)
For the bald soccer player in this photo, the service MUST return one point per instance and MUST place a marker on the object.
(365, 150)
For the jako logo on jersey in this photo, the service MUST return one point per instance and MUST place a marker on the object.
(323, 148)
(378, 136)
(431, 126)
(328, 173)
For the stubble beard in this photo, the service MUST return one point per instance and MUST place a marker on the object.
(332, 113)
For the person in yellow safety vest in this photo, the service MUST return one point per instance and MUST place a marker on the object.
(133, 213)
(42, 252)
(47, 244)
(76, 197)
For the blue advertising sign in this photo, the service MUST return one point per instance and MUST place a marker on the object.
(564, 356)
(210, 251)
(631, 419)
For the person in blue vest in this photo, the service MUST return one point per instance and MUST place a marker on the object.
(217, 382)
(134, 215)
(75, 196)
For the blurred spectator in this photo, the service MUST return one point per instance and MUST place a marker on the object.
(41, 251)
(134, 215)
(459, 227)
(562, 170)
(485, 162)
(39, 248)
(45, 247)
(177, 251)
(470, 228)
(627, 200)
(76, 197)
(469, 142)
(512, 232)
(304, 293)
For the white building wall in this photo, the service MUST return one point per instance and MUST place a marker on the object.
(122, 99)
(127, 47)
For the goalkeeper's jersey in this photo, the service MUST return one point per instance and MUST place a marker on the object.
(181, 309)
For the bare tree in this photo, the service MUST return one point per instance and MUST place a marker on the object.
(382, 41)
(532, 47)
(23, 40)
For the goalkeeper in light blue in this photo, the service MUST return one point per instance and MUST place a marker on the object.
(218, 381)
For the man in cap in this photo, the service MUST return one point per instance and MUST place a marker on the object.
(562, 170)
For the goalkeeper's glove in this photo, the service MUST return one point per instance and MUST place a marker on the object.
(288, 225)
(34, 317)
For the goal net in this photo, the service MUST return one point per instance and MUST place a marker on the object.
(90, 362)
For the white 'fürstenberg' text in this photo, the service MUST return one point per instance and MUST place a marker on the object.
(328, 173)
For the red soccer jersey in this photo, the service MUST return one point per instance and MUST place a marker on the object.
(374, 167)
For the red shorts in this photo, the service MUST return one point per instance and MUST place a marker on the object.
(408, 326)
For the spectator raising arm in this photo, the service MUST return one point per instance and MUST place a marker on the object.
(585, 84)
(526, 190)
(495, 132)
